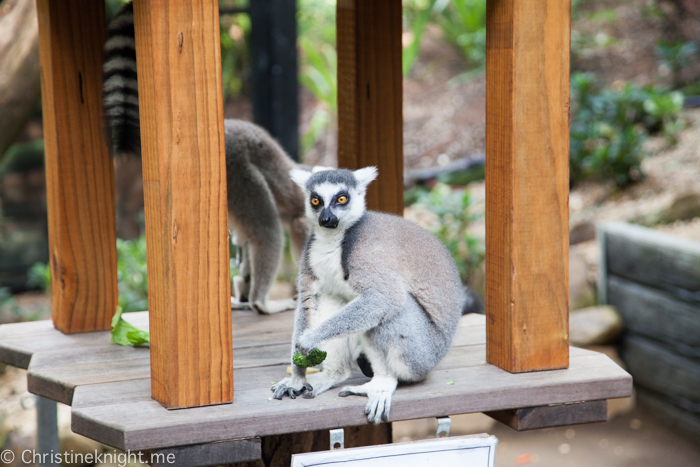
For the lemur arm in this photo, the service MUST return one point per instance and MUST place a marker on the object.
(307, 303)
(360, 315)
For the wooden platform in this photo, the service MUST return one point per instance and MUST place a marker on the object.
(108, 386)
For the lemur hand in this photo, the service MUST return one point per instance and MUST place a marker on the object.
(291, 387)
(307, 342)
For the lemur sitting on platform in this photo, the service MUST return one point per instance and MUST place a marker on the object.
(261, 197)
(374, 288)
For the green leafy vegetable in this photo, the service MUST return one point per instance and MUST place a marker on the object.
(124, 333)
(314, 358)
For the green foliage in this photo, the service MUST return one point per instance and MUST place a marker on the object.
(610, 125)
(124, 333)
(675, 56)
(40, 276)
(131, 274)
(664, 109)
(464, 25)
(452, 208)
(314, 358)
(235, 49)
(416, 14)
(318, 64)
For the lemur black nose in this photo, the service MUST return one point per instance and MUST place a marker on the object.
(327, 219)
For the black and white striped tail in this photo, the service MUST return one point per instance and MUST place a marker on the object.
(121, 92)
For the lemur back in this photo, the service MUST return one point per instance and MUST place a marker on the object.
(261, 197)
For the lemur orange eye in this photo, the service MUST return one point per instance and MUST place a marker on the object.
(342, 199)
(315, 201)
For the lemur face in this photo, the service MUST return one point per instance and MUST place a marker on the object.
(334, 198)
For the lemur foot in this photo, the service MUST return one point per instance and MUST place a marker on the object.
(288, 387)
(236, 305)
(322, 382)
(270, 307)
(379, 392)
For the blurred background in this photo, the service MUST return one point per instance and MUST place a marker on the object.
(635, 157)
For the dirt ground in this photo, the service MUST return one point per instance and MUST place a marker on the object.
(633, 439)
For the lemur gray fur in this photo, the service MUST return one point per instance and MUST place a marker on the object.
(261, 197)
(373, 287)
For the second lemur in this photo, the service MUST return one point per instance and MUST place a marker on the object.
(261, 197)
(373, 288)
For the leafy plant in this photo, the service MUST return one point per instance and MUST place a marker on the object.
(609, 126)
(131, 274)
(675, 56)
(417, 14)
(464, 25)
(235, 50)
(452, 209)
(124, 333)
(40, 276)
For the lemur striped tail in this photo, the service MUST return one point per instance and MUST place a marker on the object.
(121, 93)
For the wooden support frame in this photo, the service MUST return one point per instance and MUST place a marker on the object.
(548, 416)
(79, 171)
(181, 106)
(370, 96)
(527, 177)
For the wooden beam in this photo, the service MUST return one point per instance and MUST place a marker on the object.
(370, 96)
(547, 416)
(527, 179)
(180, 92)
(79, 170)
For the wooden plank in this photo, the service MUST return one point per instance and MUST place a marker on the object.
(180, 93)
(370, 96)
(658, 315)
(547, 416)
(200, 455)
(55, 374)
(79, 171)
(653, 258)
(654, 367)
(527, 180)
(591, 376)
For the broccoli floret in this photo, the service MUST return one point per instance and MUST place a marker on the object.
(314, 358)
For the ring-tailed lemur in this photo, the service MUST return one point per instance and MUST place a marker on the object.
(261, 197)
(373, 287)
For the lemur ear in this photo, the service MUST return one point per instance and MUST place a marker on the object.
(364, 177)
(300, 177)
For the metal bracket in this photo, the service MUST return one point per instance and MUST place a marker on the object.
(443, 429)
(337, 439)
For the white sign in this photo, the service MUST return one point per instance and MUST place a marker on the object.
(466, 451)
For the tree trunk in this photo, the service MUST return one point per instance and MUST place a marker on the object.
(19, 67)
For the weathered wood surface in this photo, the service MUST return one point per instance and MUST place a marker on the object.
(79, 171)
(527, 181)
(370, 96)
(105, 381)
(221, 452)
(181, 108)
(533, 418)
(653, 258)
(659, 315)
(659, 369)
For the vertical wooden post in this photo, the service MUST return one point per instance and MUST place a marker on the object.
(370, 96)
(79, 170)
(527, 177)
(181, 107)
